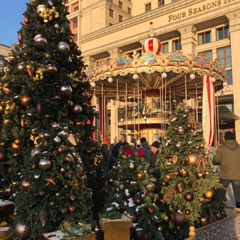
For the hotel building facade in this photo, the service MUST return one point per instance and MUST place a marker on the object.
(106, 29)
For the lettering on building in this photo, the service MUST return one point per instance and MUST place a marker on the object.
(198, 10)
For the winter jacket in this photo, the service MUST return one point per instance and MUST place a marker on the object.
(147, 151)
(228, 157)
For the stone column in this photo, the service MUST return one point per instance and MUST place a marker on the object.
(115, 52)
(188, 39)
(234, 25)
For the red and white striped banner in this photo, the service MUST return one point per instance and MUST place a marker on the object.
(208, 110)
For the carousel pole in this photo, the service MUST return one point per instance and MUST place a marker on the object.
(134, 117)
(103, 114)
(126, 108)
(196, 104)
(185, 86)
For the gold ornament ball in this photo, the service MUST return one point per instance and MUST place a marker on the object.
(209, 194)
(26, 101)
(21, 231)
(150, 186)
(192, 159)
(203, 221)
(15, 146)
(140, 176)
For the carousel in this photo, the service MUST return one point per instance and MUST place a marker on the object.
(136, 94)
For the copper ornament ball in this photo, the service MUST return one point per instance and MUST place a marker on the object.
(26, 101)
(188, 196)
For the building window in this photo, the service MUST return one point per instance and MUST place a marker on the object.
(207, 54)
(229, 77)
(111, 12)
(76, 8)
(129, 11)
(74, 23)
(160, 3)
(224, 56)
(177, 45)
(148, 7)
(165, 47)
(120, 4)
(223, 32)
(204, 37)
(120, 18)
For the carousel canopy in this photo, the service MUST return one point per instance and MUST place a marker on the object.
(171, 71)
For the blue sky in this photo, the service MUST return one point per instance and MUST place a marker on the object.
(11, 16)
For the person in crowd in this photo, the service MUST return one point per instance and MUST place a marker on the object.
(145, 150)
(115, 151)
(155, 150)
(228, 157)
(127, 149)
(105, 149)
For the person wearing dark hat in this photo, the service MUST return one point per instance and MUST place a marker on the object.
(228, 157)
(155, 149)
(145, 149)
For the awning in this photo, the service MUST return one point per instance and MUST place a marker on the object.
(226, 115)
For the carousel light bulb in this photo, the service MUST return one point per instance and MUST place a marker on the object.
(213, 79)
(93, 84)
(164, 75)
(110, 79)
(192, 76)
(225, 84)
(121, 119)
(135, 76)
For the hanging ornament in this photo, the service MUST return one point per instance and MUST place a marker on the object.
(51, 68)
(131, 165)
(66, 89)
(174, 159)
(178, 145)
(180, 130)
(187, 212)
(71, 138)
(63, 47)
(77, 108)
(7, 91)
(40, 41)
(15, 146)
(192, 159)
(184, 173)
(41, 8)
(26, 101)
(200, 174)
(209, 194)
(179, 218)
(72, 209)
(188, 196)
(2, 156)
(150, 187)
(43, 217)
(140, 176)
(69, 158)
(21, 231)
(25, 186)
(139, 234)
(173, 118)
(203, 221)
(180, 186)
(45, 164)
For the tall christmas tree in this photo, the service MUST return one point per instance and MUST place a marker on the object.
(46, 128)
(190, 189)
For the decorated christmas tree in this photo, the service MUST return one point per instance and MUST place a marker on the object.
(46, 147)
(190, 189)
(133, 191)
